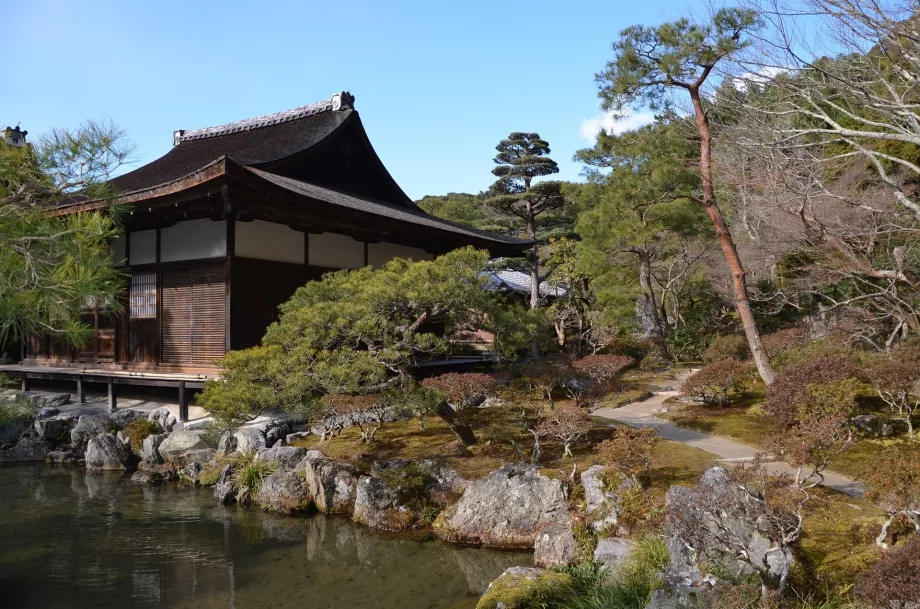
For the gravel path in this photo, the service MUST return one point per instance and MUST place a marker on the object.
(642, 414)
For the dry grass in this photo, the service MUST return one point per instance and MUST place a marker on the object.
(499, 431)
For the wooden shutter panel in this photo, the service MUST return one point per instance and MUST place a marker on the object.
(194, 315)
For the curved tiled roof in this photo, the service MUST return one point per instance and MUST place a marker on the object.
(370, 206)
(250, 142)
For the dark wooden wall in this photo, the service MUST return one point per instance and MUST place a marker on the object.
(257, 288)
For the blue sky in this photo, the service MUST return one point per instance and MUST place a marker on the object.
(437, 84)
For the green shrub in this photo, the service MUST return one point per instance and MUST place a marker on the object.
(137, 432)
(14, 412)
(247, 478)
(630, 587)
(729, 346)
(714, 383)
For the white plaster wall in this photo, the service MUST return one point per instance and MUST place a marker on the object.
(268, 241)
(335, 251)
(379, 254)
(118, 250)
(143, 247)
(192, 240)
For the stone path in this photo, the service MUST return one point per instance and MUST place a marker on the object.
(642, 414)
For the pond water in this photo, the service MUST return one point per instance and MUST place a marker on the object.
(77, 540)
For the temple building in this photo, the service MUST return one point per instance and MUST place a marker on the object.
(224, 227)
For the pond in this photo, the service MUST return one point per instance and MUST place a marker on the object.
(74, 539)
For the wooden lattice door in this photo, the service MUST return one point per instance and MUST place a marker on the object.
(194, 315)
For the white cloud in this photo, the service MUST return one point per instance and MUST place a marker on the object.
(764, 74)
(608, 122)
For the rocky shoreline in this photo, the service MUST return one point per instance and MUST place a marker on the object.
(513, 507)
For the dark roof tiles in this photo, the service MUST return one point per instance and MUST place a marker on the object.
(419, 217)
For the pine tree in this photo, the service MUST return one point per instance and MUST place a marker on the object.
(521, 158)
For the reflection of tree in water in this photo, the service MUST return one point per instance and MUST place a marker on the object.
(73, 539)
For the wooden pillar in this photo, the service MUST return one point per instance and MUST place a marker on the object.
(113, 398)
(24, 382)
(183, 403)
(81, 391)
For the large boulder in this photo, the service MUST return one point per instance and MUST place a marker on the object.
(377, 506)
(723, 526)
(42, 400)
(63, 457)
(121, 418)
(88, 427)
(150, 449)
(284, 492)
(223, 489)
(285, 456)
(164, 418)
(506, 509)
(276, 433)
(226, 444)
(156, 474)
(29, 448)
(555, 545)
(50, 429)
(107, 452)
(602, 503)
(185, 446)
(332, 484)
(10, 433)
(47, 412)
(249, 439)
(613, 552)
(520, 587)
(390, 499)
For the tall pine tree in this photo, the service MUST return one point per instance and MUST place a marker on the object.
(519, 202)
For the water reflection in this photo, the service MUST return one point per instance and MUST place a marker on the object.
(68, 539)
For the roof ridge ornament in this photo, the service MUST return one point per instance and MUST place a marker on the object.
(339, 101)
(343, 101)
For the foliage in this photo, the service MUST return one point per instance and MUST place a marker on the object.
(809, 407)
(784, 340)
(248, 476)
(137, 431)
(14, 412)
(568, 423)
(896, 380)
(51, 267)
(602, 368)
(629, 451)
(893, 582)
(462, 390)
(894, 482)
(714, 383)
(546, 374)
(788, 397)
(642, 226)
(527, 209)
(359, 332)
(630, 588)
(367, 412)
(727, 346)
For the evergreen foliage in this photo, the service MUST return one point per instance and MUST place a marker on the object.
(51, 267)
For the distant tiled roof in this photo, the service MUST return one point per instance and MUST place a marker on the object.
(410, 216)
(516, 281)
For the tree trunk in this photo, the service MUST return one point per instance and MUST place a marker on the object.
(534, 264)
(646, 306)
(739, 281)
(464, 433)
